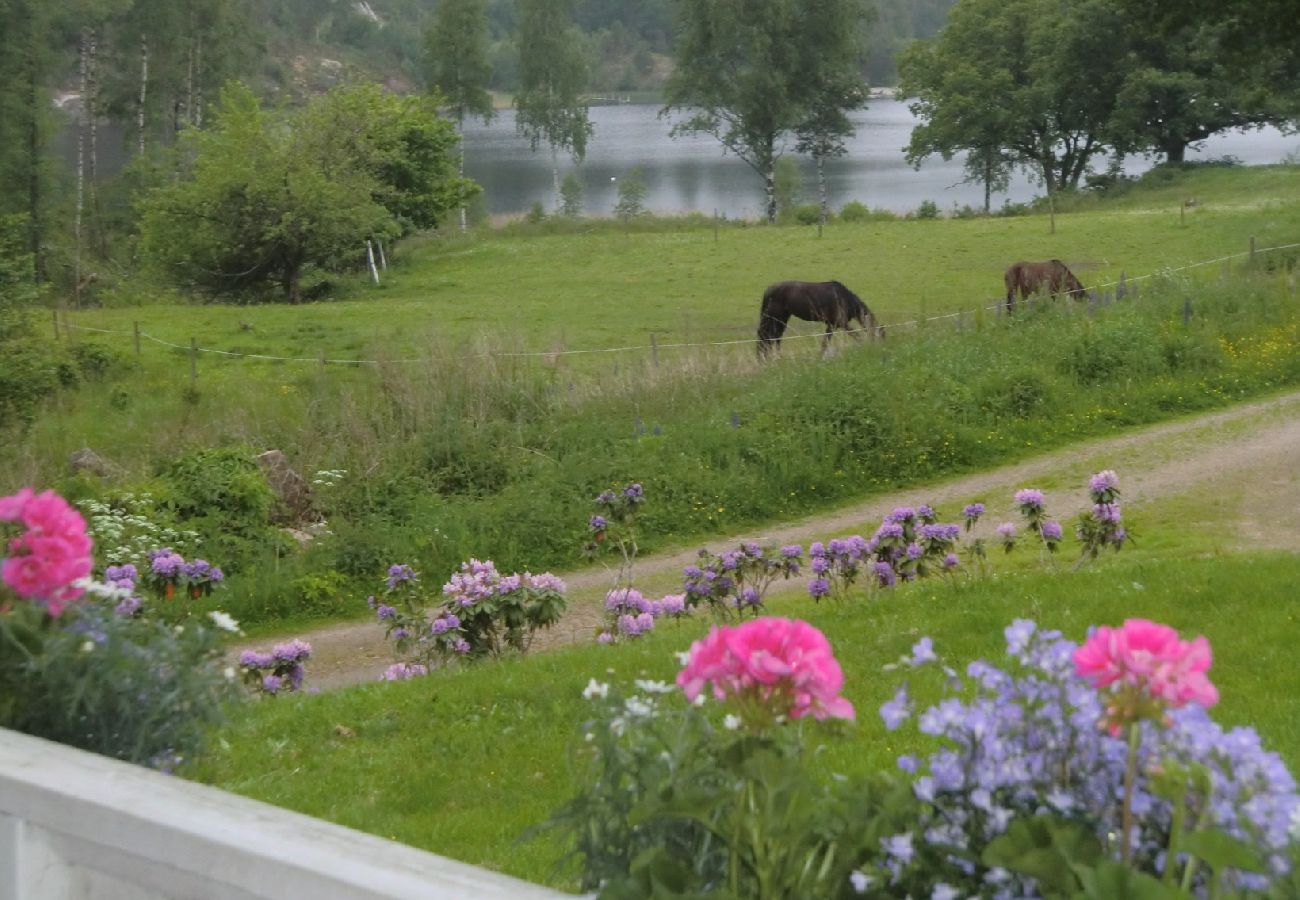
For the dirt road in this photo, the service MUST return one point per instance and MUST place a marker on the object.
(1247, 458)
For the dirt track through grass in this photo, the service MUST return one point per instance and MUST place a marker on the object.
(1248, 457)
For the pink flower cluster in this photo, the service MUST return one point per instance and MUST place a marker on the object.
(785, 666)
(1151, 659)
(53, 553)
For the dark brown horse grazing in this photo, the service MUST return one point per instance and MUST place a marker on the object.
(1028, 278)
(812, 301)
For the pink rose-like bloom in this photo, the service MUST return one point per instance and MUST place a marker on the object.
(773, 660)
(1151, 657)
(51, 554)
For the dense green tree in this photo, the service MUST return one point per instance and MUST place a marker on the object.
(265, 199)
(456, 64)
(631, 195)
(1179, 90)
(752, 73)
(552, 75)
(1033, 78)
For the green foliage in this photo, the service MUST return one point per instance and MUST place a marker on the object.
(571, 196)
(631, 195)
(787, 185)
(807, 214)
(552, 77)
(222, 494)
(536, 213)
(134, 688)
(266, 199)
(751, 74)
(927, 210)
(456, 58)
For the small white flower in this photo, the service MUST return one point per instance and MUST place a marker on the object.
(1295, 824)
(224, 621)
(179, 630)
(684, 657)
(589, 737)
(699, 699)
(87, 646)
(1139, 586)
(731, 723)
(595, 689)
(229, 672)
(654, 687)
(639, 706)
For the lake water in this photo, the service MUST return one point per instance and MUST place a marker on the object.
(692, 174)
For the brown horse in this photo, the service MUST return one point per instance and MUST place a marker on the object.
(1029, 278)
(813, 301)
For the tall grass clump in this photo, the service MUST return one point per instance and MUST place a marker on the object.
(461, 456)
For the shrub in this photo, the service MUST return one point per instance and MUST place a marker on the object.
(807, 213)
(631, 195)
(571, 196)
(223, 495)
(927, 210)
(853, 212)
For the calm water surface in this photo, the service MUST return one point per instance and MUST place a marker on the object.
(692, 174)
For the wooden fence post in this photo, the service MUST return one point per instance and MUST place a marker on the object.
(56, 322)
(136, 337)
(715, 225)
(1187, 311)
(1252, 250)
(1120, 288)
(194, 362)
(370, 256)
(654, 350)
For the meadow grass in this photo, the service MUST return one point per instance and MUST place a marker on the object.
(608, 286)
(465, 761)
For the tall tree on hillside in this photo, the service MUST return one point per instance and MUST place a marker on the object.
(456, 61)
(745, 74)
(552, 76)
(1033, 78)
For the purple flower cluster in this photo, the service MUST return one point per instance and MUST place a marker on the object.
(1028, 741)
(909, 544)
(631, 614)
(166, 563)
(123, 576)
(282, 669)
(169, 570)
(1102, 527)
(404, 671)
(737, 580)
(1029, 500)
(399, 574)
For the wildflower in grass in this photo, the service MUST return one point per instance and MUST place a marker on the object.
(1104, 487)
(770, 669)
(286, 665)
(634, 493)
(925, 512)
(895, 711)
(128, 607)
(818, 588)
(1007, 533)
(971, 513)
(224, 621)
(598, 523)
(606, 498)
(48, 559)
(404, 671)
(1029, 500)
(951, 561)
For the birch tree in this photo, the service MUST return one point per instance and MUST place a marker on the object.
(456, 59)
(552, 75)
(753, 74)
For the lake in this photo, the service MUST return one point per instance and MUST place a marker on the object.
(692, 174)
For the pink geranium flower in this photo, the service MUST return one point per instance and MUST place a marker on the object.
(771, 667)
(53, 553)
(1148, 667)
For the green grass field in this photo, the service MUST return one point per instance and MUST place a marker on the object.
(611, 288)
(464, 762)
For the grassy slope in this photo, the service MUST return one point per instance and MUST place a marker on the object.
(463, 762)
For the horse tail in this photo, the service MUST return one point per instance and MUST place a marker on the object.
(771, 322)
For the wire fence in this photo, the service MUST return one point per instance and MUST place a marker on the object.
(653, 347)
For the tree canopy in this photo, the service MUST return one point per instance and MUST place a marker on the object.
(753, 74)
(264, 199)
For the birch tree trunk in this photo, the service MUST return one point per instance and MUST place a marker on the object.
(555, 174)
(821, 188)
(197, 118)
(460, 129)
(144, 89)
(92, 113)
(769, 185)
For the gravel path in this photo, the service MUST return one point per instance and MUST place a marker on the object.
(1249, 456)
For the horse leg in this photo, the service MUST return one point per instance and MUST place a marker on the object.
(770, 330)
(826, 339)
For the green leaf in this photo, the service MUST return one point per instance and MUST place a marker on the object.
(1048, 850)
(1222, 851)
(1109, 880)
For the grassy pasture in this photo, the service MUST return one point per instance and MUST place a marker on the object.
(464, 761)
(612, 288)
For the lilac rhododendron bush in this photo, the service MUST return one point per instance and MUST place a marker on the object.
(1070, 771)
(86, 662)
